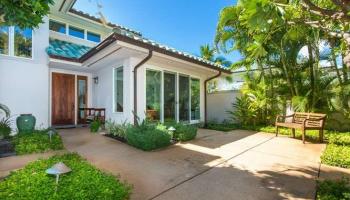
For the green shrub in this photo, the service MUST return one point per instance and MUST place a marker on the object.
(5, 127)
(148, 136)
(339, 138)
(116, 129)
(83, 182)
(185, 132)
(36, 142)
(95, 126)
(333, 190)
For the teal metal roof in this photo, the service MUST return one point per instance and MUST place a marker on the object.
(65, 49)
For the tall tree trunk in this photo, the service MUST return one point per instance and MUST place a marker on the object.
(312, 76)
(287, 73)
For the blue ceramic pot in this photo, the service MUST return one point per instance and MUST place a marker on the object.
(25, 123)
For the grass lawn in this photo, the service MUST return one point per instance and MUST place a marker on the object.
(36, 142)
(83, 182)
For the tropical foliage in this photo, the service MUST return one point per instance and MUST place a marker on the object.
(5, 122)
(290, 54)
(25, 14)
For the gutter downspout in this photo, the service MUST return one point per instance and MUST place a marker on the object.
(149, 56)
(205, 97)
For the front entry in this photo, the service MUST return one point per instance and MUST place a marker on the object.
(63, 99)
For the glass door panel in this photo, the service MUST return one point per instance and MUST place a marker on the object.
(195, 99)
(169, 97)
(184, 98)
(153, 94)
(82, 96)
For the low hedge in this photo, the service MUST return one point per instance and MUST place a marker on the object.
(185, 132)
(36, 142)
(148, 136)
(83, 182)
(222, 127)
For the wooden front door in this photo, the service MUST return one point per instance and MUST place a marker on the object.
(63, 99)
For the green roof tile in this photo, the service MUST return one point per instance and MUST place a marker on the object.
(66, 49)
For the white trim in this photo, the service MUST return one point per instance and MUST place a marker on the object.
(113, 92)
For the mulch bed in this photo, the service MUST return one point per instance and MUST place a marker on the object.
(6, 148)
(120, 139)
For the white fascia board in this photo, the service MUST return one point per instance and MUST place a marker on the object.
(65, 62)
(132, 47)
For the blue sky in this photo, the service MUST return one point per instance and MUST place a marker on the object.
(182, 24)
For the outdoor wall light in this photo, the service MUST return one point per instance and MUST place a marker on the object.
(96, 80)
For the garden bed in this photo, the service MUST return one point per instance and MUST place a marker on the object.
(116, 137)
(83, 182)
(6, 148)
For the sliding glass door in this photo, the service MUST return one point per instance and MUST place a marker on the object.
(184, 98)
(153, 95)
(169, 98)
(172, 97)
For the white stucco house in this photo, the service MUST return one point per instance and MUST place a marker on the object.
(74, 61)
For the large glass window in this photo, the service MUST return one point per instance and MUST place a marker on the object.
(184, 98)
(76, 32)
(57, 26)
(23, 42)
(93, 37)
(118, 90)
(169, 97)
(195, 99)
(153, 94)
(4, 40)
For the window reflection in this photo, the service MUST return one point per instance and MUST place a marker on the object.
(23, 42)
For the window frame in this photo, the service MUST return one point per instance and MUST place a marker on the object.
(11, 50)
(115, 86)
(74, 27)
(65, 26)
(93, 33)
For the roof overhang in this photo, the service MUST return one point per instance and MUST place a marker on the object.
(126, 40)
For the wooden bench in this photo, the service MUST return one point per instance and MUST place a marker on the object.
(86, 115)
(302, 121)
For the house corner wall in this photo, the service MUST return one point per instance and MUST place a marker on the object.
(24, 82)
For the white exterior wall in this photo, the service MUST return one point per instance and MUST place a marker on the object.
(103, 91)
(219, 103)
(24, 83)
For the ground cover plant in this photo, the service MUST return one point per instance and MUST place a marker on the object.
(333, 190)
(36, 142)
(83, 182)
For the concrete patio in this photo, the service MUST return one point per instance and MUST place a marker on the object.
(236, 165)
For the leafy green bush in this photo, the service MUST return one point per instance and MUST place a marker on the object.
(116, 129)
(83, 182)
(339, 138)
(333, 190)
(36, 142)
(148, 136)
(185, 132)
(95, 126)
(5, 127)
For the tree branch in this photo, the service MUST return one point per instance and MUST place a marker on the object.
(311, 7)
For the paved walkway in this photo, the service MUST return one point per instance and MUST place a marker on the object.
(235, 165)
